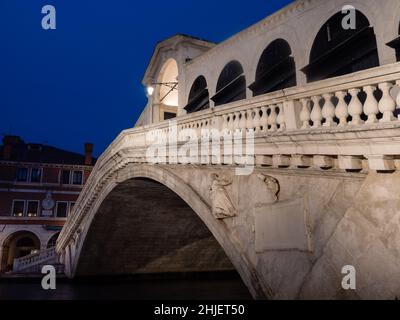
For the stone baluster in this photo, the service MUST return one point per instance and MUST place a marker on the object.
(230, 123)
(386, 105)
(225, 123)
(371, 108)
(342, 110)
(355, 107)
(257, 119)
(328, 110)
(264, 118)
(250, 120)
(305, 114)
(243, 121)
(281, 118)
(316, 114)
(398, 96)
(273, 118)
(236, 122)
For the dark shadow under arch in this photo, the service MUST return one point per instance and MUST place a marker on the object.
(142, 227)
(17, 245)
(276, 69)
(337, 51)
(53, 240)
(199, 98)
(231, 84)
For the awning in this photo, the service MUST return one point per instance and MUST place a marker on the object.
(358, 45)
(233, 91)
(199, 102)
(273, 78)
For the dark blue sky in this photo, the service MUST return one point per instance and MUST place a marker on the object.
(82, 82)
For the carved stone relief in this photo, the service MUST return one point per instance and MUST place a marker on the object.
(222, 205)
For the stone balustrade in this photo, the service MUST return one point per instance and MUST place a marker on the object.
(346, 124)
(31, 261)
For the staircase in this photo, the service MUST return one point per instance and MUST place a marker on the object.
(32, 264)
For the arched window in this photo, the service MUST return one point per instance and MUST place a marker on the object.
(276, 69)
(395, 44)
(337, 51)
(198, 96)
(168, 91)
(231, 84)
(53, 240)
(17, 245)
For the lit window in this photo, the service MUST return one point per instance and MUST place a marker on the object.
(18, 208)
(36, 175)
(65, 177)
(22, 174)
(62, 209)
(32, 209)
(77, 178)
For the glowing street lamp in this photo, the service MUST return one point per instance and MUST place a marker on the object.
(150, 90)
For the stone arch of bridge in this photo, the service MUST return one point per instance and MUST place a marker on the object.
(146, 181)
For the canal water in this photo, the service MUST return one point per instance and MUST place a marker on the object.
(210, 287)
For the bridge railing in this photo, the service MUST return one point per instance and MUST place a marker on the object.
(28, 262)
(359, 99)
(347, 123)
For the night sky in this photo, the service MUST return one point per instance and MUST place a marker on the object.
(82, 82)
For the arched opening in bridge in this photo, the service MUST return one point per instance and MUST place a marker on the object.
(338, 51)
(53, 240)
(231, 84)
(276, 69)
(395, 44)
(144, 229)
(18, 245)
(199, 98)
(168, 90)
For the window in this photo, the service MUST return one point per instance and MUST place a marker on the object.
(53, 241)
(32, 209)
(22, 174)
(231, 84)
(77, 178)
(65, 177)
(276, 69)
(36, 175)
(18, 208)
(74, 177)
(61, 211)
(198, 96)
(71, 206)
(336, 51)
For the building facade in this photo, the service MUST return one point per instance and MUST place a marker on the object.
(39, 186)
(301, 44)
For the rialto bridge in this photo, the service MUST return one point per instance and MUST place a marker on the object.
(315, 188)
